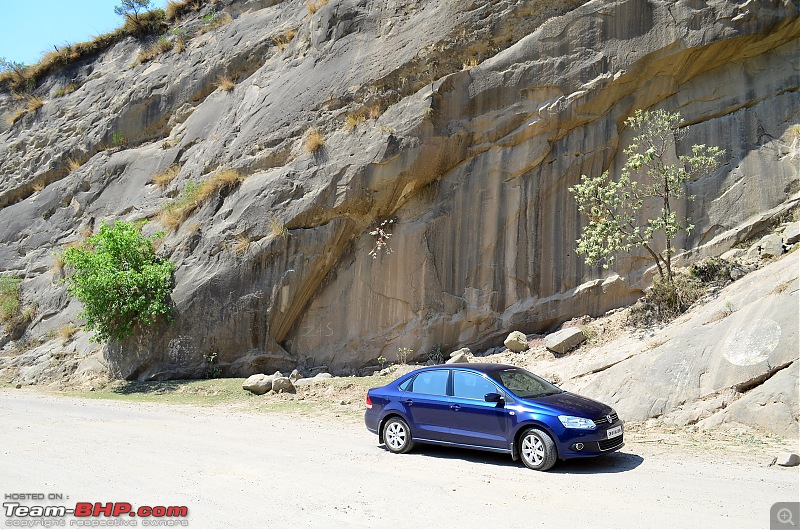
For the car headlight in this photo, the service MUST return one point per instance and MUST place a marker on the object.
(574, 422)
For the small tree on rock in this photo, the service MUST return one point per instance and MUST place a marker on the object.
(130, 9)
(613, 206)
(119, 280)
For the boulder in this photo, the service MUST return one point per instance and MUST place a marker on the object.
(282, 384)
(791, 234)
(258, 384)
(323, 375)
(295, 375)
(563, 341)
(516, 341)
(769, 246)
(458, 357)
(787, 459)
(464, 351)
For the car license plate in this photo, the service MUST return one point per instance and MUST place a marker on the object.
(616, 431)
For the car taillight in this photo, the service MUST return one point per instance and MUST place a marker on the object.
(369, 402)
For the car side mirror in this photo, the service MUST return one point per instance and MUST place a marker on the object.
(494, 397)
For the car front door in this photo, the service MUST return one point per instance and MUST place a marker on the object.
(474, 421)
(427, 405)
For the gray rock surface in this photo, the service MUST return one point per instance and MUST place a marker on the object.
(516, 341)
(564, 340)
(258, 383)
(787, 459)
(710, 367)
(791, 234)
(473, 162)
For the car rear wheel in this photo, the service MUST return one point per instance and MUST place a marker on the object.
(537, 450)
(397, 436)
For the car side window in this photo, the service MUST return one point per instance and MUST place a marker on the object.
(433, 382)
(468, 385)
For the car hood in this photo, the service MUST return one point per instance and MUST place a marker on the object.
(571, 404)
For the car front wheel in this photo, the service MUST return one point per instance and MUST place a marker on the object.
(397, 436)
(537, 450)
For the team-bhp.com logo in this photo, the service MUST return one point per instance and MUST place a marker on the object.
(89, 513)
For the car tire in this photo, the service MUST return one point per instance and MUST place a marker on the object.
(397, 436)
(537, 450)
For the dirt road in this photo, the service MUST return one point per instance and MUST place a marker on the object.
(250, 470)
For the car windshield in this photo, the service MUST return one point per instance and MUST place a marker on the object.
(523, 383)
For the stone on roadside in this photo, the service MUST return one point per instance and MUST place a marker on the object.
(791, 234)
(258, 383)
(563, 341)
(769, 246)
(788, 459)
(465, 351)
(295, 375)
(323, 375)
(459, 356)
(516, 341)
(282, 384)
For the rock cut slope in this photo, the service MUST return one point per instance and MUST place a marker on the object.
(463, 121)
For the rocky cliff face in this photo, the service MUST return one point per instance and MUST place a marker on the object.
(477, 117)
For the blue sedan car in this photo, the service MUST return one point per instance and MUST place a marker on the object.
(493, 407)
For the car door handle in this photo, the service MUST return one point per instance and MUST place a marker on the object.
(455, 407)
(408, 402)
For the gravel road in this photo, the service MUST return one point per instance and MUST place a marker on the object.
(251, 470)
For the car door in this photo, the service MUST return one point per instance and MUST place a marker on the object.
(474, 420)
(427, 406)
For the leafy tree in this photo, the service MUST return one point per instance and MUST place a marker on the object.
(12, 68)
(119, 280)
(614, 207)
(130, 9)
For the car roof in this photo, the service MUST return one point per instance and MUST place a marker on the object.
(479, 367)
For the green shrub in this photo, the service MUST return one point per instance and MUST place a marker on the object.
(119, 280)
(9, 297)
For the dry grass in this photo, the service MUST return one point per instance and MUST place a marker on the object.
(162, 45)
(163, 179)
(283, 40)
(375, 111)
(214, 21)
(352, 120)
(175, 9)
(194, 195)
(69, 88)
(470, 63)
(67, 331)
(314, 142)
(277, 229)
(241, 245)
(73, 165)
(224, 83)
(313, 7)
(32, 104)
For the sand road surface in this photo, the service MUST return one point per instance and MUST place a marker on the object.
(255, 470)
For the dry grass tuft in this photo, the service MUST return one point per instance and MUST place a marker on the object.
(313, 7)
(283, 40)
(352, 120)
(73, 165)
(163, 179)
(241, 245)
(194, 195)
(470, 63)
(277, 229)
(162, 45)
(67, 331)
(314, 142)
(224, 83)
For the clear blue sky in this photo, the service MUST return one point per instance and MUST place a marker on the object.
(30, 27)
